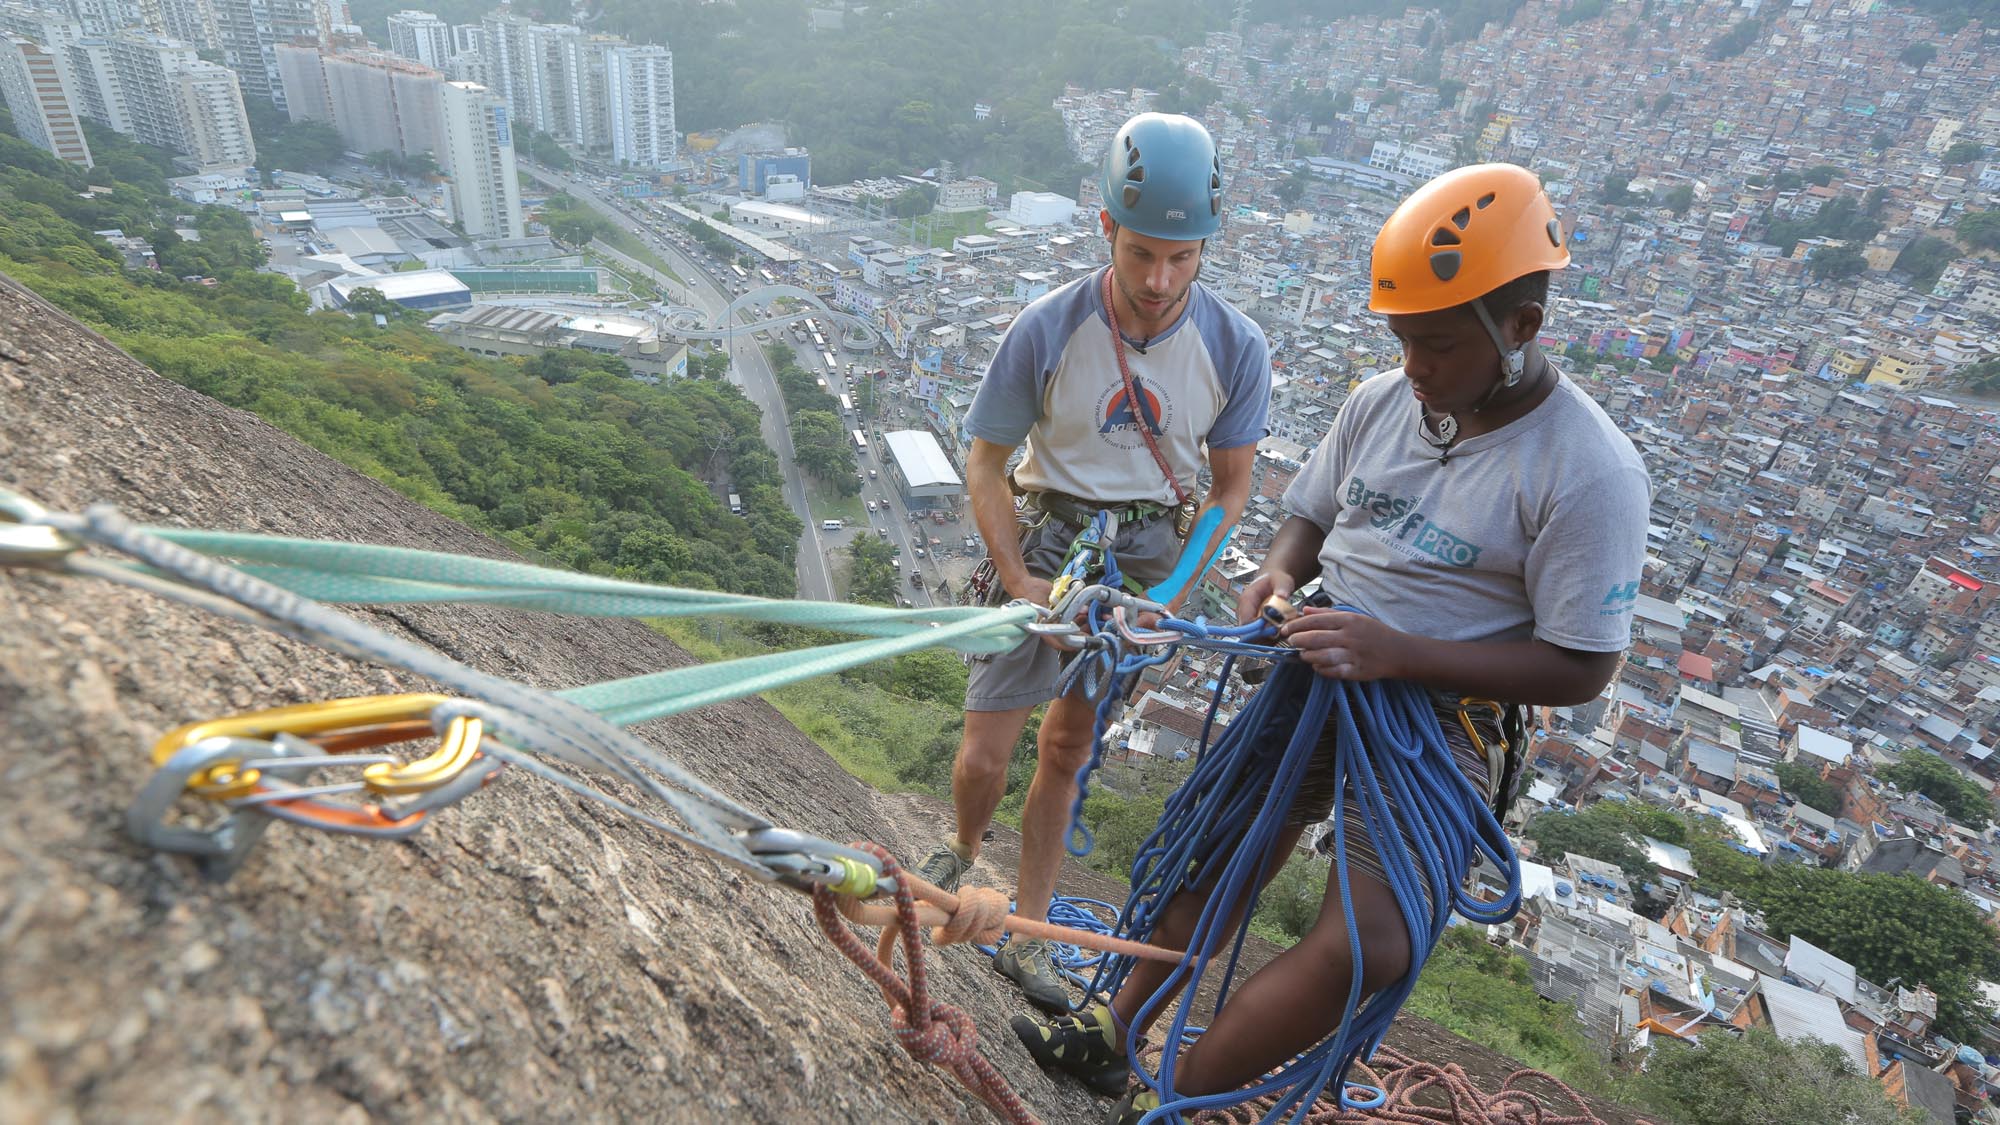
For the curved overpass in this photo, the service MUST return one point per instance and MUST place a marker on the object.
(694, 324)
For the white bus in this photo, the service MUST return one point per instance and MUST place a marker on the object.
(740, 275)
(860, 442)
(831, 363)
(846, 405)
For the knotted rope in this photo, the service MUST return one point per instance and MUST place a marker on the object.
(930, 1031)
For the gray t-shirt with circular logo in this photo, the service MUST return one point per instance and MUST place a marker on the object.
(1537, 529)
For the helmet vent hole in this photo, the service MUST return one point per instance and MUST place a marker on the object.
(1131, 195)
(1555, 233)
(1485, 201)
(1445, 264)
(1463, 218)
(1136, 173)
(1444, 237)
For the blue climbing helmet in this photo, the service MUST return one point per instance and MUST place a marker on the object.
(1163, 179)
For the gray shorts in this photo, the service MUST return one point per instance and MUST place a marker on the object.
(1025, 675)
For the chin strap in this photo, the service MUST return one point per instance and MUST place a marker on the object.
(1513, 361)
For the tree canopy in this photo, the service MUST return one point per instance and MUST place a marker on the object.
(1920, 771)
(1805, 783)
(1836, 262)
(1979, 230)
(1891, 928)
(1755, 1077)
(1924, 259)
(871, 577)
(1599, 831)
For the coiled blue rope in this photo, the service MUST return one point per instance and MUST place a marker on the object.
(1390, 747)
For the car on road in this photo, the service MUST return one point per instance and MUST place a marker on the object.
(871, 505)
(917, 551)
(872, 474)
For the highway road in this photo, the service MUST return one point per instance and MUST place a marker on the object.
(752, 372)
(747, 364)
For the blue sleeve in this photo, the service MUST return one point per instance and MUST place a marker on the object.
(1009, 400)
(1243, 362)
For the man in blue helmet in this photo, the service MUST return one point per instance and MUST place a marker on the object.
(1121, 386)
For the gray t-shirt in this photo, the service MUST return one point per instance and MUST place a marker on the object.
(1537, 529)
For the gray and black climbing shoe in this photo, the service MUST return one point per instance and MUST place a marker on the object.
(943, 869)
(1027, 963)
(1082, 1046)
(1134, 1106)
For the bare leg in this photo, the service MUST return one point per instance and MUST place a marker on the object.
(1062, 749)
(1175, 928)
(1296, 1000)
(979, 775)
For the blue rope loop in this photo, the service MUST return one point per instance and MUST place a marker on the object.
(1389, 748)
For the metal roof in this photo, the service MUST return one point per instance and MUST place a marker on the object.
(1820, 744)
(1710, 759)
(1814, 965)
(509, 319)
(403, 286)
(1799, 1015)
(923, 462)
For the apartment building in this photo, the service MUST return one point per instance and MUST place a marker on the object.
(421, 36)
(478, 154)
(39, 93)
(377, 101)
(249, 32)
(639, 96)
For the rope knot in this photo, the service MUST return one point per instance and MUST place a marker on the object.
(944, 1036)
(981, 918)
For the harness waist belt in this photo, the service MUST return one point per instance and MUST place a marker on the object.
(1079, 513)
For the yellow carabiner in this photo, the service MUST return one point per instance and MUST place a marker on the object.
(1060, 589)
(459, 746)
(372, 720)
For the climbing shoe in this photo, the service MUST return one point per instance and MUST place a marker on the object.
(1027, 963)
(1134, 1106)
(1081, 1045)
(943, 869)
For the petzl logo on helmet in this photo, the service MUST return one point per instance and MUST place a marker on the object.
(1385, 283)
(1119, 415)
(1176, 213)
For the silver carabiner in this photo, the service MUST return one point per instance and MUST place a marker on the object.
(218, 850)
(27, 542)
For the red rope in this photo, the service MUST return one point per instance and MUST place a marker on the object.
(1421, 1093)
(931, 1032)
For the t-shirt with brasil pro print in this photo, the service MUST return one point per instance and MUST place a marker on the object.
(1537, 529)
(1054, 382)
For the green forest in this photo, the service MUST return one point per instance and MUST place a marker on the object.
(565, 456)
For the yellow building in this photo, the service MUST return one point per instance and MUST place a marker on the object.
(1850, 361)
(1899, 369)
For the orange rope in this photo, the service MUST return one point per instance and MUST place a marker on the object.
(982, 923)
(1421, 1093)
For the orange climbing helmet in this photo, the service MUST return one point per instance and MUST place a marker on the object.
(1461, 236)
